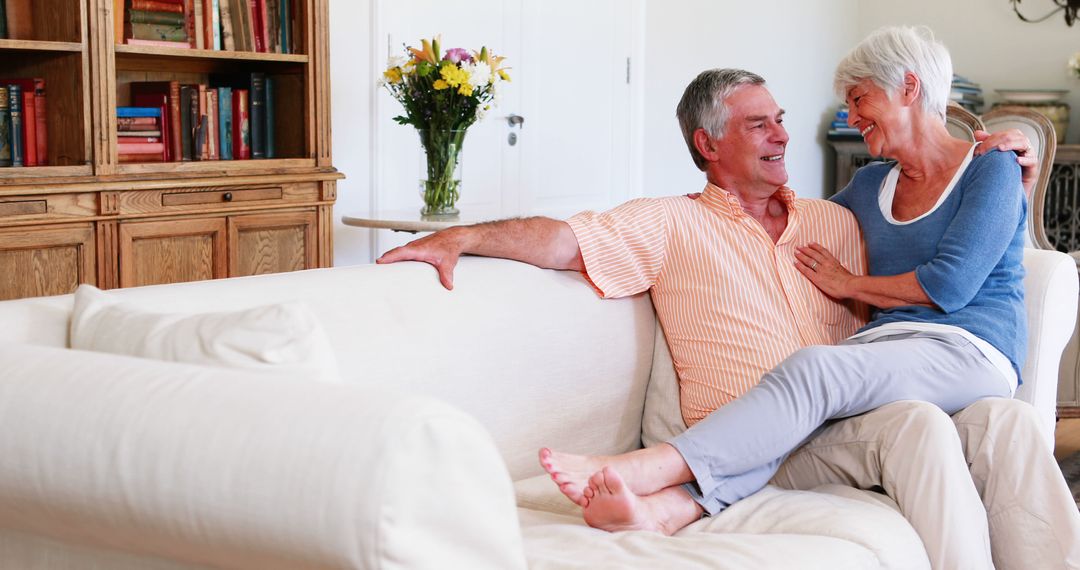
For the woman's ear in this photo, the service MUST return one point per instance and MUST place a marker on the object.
(912, 88)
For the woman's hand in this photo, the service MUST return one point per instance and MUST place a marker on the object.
(824, 271)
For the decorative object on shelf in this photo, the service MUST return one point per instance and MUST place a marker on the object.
(443, 94)
(839, 129)
(1068, 6)
(1046, 102)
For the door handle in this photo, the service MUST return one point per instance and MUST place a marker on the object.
(515, 120)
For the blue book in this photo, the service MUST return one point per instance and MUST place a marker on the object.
(283, 19)
(269, 118)
(225, 122)
(138, 112)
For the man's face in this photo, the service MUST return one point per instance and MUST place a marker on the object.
(751, 152)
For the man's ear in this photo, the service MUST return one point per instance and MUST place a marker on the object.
(705, 145)
(912, 88)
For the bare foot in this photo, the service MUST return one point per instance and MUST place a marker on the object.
(611, 506)
(644, 471)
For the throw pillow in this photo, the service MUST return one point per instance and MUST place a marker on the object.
(284, 339)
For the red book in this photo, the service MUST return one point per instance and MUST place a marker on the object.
(42, 130)
(133, 140)
(141, 148)
(176, 7)
(135, 123)
(241, 125)
(258, 11)
(189, 21)
(29, 129)
(141, 157)
(158, 94)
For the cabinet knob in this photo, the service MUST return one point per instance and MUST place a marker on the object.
(227, 197)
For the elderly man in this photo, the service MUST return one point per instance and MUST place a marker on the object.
(721, 272)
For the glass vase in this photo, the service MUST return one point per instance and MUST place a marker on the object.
(441, 188)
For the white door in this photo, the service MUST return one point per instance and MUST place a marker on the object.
(569, 65)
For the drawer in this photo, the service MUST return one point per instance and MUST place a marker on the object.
(48, 207)
(215, 198)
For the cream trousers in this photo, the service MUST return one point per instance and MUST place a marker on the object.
(1009, 488)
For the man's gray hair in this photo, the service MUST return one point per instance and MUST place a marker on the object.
(890, 52)
(703, 104)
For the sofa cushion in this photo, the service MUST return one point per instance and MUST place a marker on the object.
(830, 527)
(283, 338)
(662, 419)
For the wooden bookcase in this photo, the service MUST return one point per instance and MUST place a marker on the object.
(88, 218)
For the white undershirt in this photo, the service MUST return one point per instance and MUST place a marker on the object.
(885, 202)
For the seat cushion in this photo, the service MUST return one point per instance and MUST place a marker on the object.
(830, 527)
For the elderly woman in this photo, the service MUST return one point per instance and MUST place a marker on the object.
(944, 232)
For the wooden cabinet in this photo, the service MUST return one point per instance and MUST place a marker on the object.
(87, 217)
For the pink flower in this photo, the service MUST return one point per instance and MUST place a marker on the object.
(457, 55)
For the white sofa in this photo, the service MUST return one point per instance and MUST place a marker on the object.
(423, 458)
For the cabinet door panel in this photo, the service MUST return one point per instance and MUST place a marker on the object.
(38, 261)
(272, 243)
(173, 251)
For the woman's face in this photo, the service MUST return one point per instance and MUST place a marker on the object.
(875, 114)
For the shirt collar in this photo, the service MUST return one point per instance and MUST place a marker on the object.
(726, 204)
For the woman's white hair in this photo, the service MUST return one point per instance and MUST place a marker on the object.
(888, 53)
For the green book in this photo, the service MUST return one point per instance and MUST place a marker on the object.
(15, 111)
(159, 32)
(147, 17)
(3, 21)
(5, 129)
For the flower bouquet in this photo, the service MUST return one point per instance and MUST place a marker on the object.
(443, 94)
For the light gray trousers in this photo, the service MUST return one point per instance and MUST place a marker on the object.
(735, 450)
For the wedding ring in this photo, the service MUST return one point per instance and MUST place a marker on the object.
(813, 266)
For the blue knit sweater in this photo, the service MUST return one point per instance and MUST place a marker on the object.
(967, 255)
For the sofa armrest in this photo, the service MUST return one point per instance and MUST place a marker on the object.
(1050, 291)
(233, 469)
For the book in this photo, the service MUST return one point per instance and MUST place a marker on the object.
(29, 129)
(226, 26)
(202, 147)
(257, 9)
(271, 22)
(41, 118)
(147, 17)
(160, 101)
(15, 104)
(241, 127)
(283, 24)
(135, 123)
(189, 21)
(157, 6)
(212, 124)
(171, 124)
(141, 148)
(3, 21)
(5, 129)
(158, 32)
(128, 138)
(242, 11)
(186, 126)
(126, 112)
(200, 30)
(140, 157)
(258, 115)
(269, 99)
(215, 13)
(225, 122)
(20, 20)
(157, 43)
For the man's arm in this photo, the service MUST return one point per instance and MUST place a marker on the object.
(542, 242)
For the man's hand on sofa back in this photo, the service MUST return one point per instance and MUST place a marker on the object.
(543, 242)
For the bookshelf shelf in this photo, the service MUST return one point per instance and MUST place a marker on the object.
(124, 51)
(101, 206)
(36, 45)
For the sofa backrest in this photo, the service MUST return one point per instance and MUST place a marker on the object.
(535, 355)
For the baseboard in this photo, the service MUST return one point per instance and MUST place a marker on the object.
(1068, 412)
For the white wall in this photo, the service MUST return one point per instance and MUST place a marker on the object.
(793, 44)
(990, 45)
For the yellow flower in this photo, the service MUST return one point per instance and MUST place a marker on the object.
(453, 75)
(440, 85)
(504, 75)
(393, 75)
(465, 90)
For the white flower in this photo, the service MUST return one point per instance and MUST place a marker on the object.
(396, 61)
(479, 73)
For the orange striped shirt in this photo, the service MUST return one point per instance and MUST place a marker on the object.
(730, 301)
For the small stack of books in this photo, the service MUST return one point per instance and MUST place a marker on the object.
(839, 129)
(156, 22)
(267, 26)
(23, 132)
(967, 94)
(139, 134)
